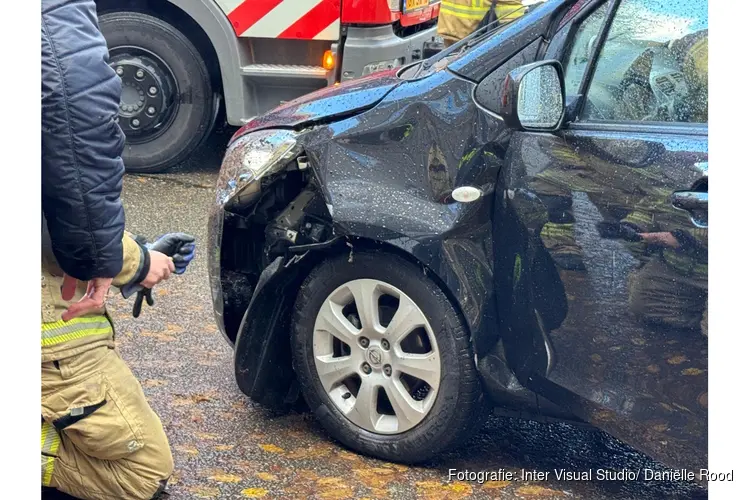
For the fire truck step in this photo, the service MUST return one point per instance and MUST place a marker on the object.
(284, 71)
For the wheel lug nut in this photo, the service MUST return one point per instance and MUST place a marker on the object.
(139, 73)
(387, 370)
(385, 344)
(152, 90)
(366, 368)
(135, 122)
(151, 110)
(119, 70)
(364, 342)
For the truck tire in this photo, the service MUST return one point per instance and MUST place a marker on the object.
(168, 106)
(417, 422)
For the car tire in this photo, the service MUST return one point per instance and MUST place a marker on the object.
(196, 104)
(459, 407)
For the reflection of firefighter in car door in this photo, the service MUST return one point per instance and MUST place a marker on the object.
(459, 18)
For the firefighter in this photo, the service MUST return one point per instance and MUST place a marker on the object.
(460, 18)
(99, 437)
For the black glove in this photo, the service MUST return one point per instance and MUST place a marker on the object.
(619, 231)
(180, 246)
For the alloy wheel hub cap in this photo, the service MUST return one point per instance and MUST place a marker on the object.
(376, 356)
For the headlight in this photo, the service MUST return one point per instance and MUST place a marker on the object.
(249, 159)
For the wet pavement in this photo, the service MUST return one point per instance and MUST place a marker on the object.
(225, 446)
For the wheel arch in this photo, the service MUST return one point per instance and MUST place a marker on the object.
(208, 28)
(262, 357)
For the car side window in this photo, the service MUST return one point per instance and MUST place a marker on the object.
(580, 51)
(653, 65)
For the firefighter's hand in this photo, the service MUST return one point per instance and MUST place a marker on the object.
(92, 302)
(159, 270)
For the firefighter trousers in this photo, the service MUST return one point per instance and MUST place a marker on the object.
(100, 439)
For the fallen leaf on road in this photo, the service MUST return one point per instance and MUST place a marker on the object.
(271, 448)
(638, 341)
(205, 435)
(398, 467)
(309, 452)
(205, 492)
(226, 478)
(348, 455)
(435, 490)
(202, 398)
(265, 476)
(334, 488)
(254, 493)
(652, 369)
(224, 447)
(190, 450)
(180, 400)
(596, 358)
(676, 360)
(692, 371)
(538, 491)
(375, 477)
(153, 383)
(161, 292)
(174, 328)
(495, 485)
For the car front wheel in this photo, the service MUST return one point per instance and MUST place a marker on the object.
(384, 360)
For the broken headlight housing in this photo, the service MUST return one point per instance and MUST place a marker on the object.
(249, 159)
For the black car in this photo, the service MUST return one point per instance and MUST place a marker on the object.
(519, 221)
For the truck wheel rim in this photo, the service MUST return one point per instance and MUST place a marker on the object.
(376, 356)
(148, 102)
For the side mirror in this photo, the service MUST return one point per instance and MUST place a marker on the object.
(533, 97)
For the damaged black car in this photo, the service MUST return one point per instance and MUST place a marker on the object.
(520, 221)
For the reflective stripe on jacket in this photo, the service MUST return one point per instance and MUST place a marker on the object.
(63, 339)
(459, 18)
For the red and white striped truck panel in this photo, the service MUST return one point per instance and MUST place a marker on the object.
(318, 19)
(295, 19)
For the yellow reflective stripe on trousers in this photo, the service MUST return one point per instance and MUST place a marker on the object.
(48, 467)
(50, 439)
(50, 444)
(61, 331)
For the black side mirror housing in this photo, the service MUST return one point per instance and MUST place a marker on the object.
(533, 97)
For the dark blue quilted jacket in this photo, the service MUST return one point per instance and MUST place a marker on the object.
(81, 143)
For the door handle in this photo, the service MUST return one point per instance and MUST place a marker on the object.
(695, 203)
(690, 200)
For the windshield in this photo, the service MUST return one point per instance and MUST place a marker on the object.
(475, 39)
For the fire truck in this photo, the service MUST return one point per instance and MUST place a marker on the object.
(186, 63)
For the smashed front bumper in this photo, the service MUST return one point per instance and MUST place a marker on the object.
(215, 232)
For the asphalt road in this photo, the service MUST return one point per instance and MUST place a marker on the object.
(225, 446)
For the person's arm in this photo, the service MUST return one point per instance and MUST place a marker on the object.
(82, 168)
(139, 265)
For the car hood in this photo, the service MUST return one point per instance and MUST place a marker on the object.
(328, 103)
